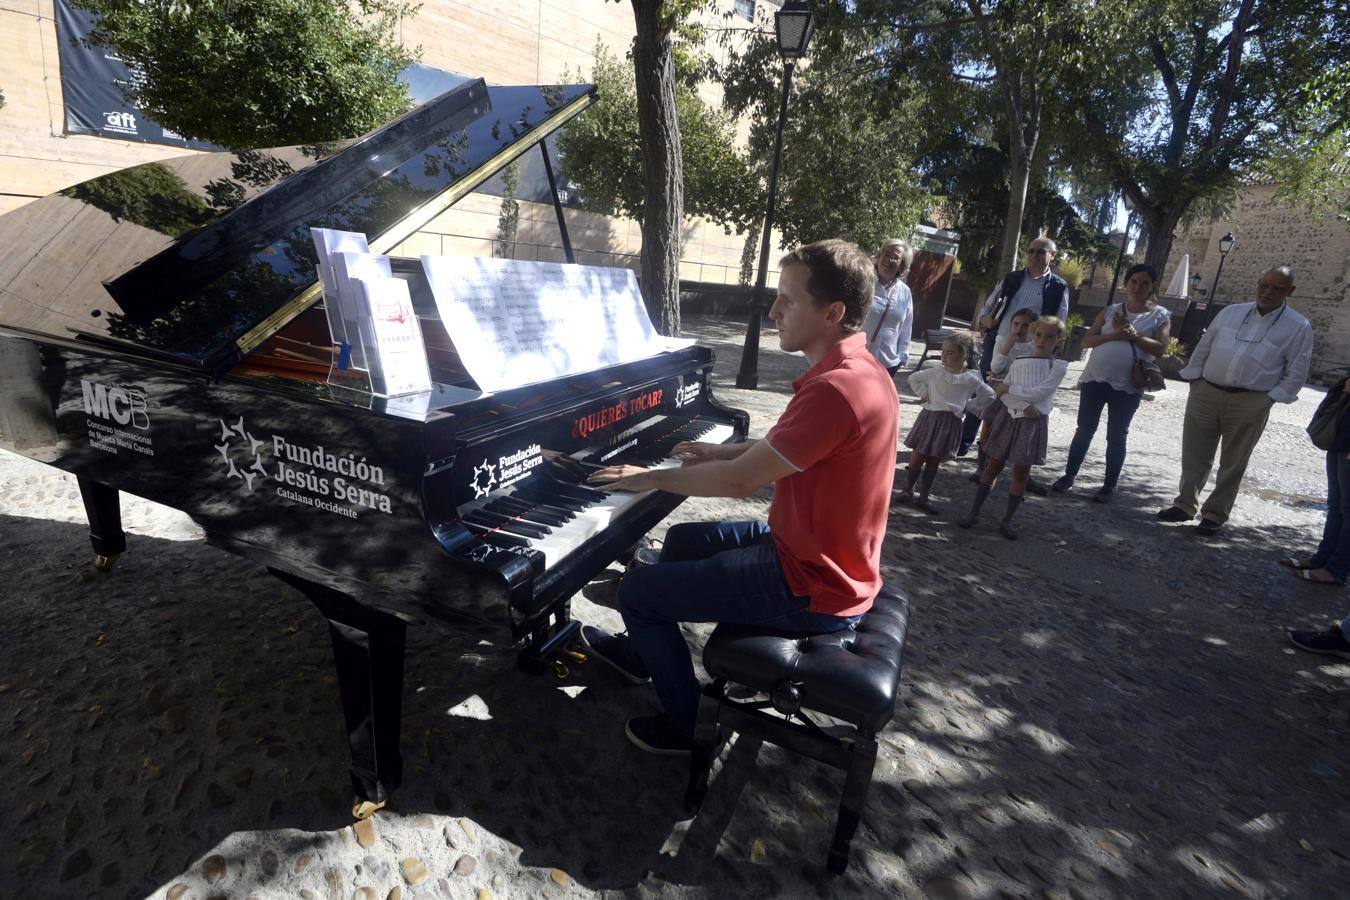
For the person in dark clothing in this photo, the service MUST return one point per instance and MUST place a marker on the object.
(1330, 564)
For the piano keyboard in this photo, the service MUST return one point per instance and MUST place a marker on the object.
(544, 519)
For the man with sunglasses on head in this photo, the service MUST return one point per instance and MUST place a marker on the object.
(1035, 288)
(1252, 356)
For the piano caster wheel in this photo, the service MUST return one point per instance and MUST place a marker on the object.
(559, 669)
(105, 563)
(577, 656)
(364, 809)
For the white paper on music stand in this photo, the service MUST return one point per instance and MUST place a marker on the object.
(327, 243)
(393, 338)
(516, 322)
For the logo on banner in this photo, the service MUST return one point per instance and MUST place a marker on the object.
(246, 448)
(120, 122)
(484, 479)
(331, 480)
(117, 417)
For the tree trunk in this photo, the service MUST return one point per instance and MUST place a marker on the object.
(662, 163)
(1019, 174)
(1161, 224)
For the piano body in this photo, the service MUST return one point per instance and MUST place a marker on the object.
(162, 333)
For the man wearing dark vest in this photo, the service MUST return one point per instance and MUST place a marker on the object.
(1034, 287)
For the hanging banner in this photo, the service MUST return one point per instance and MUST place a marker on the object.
(91, 82)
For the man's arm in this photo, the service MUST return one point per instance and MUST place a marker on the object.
(985, 317)
(692, 452)
(906, 329)
(1064, 303)
(740, 477)
(1297, 363)
(1195, 365)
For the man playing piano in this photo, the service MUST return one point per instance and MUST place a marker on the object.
(814, 566)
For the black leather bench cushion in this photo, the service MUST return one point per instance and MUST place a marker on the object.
(852, 674)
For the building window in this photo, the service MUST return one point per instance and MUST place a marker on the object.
(746, 9)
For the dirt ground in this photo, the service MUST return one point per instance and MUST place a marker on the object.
(1104, 708)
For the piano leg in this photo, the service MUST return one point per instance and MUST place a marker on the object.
(368, 649)
(104, 511)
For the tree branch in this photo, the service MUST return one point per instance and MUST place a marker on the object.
(1219, 117)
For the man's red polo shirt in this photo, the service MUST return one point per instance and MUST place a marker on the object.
(829, 518)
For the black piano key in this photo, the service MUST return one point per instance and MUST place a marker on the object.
(496, 537)
(521, 505)
(521, 510)
(496, 521)
(588, 496)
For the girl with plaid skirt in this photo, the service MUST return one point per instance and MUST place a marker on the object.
(946, 394)
(1020, 437)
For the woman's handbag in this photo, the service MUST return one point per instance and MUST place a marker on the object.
(1322, 428)
(1145, 373)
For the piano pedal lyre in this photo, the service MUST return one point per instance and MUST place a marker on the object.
(364, 809)
(104, 563)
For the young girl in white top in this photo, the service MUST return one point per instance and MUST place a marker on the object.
(1015, 346)
(946, 393)
(1020, 437)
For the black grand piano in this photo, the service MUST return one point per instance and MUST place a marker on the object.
(162, 333)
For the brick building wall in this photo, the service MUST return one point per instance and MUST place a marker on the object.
(1270, 233)
(503, 41)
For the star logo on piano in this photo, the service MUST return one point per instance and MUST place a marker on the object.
(484, 479)
(248, 446)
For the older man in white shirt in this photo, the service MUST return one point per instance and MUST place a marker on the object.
(890, 318)
(1253, 355)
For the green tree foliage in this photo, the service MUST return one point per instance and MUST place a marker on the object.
(1315, 170)
(1202, 93)
(601, 157)
(152, 196)
(261, 73)
(849, 143)
(508, 219)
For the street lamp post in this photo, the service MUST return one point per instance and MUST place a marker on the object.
(1190, 305)
(1225, 247)
(793, 25)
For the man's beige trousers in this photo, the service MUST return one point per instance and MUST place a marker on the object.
(1213, 415)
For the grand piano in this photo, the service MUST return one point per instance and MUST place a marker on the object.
(162, 333)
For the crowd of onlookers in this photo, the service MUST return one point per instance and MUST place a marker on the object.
(997, 398)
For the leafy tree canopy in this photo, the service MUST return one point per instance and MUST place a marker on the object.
(849, 142)
(602, 160)
(261, 73)
(1204, 93)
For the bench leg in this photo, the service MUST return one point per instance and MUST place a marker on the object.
(705, 744)
(856, 787)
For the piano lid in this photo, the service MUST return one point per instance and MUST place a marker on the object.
(200, 258)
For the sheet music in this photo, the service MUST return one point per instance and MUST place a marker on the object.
(516, 322)
(328, 243)
(392, 337)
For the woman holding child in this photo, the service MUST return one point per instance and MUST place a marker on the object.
(1137, 329)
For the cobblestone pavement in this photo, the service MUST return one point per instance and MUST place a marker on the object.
(1104, 708)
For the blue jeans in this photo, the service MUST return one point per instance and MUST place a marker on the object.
(709, 572)
(1333, 554)
(1121, 407)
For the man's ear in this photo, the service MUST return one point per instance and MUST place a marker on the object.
(835, 314)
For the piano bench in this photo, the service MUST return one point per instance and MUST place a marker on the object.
(851, 675)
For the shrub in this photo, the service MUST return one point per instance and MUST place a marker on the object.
(1071, 270)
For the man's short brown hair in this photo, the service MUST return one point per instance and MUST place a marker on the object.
(839, 271)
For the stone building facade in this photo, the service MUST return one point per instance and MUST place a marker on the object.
(503, 41)
(1270, 233)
